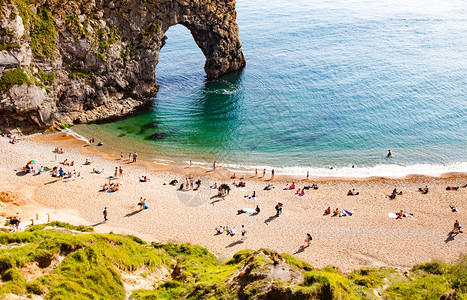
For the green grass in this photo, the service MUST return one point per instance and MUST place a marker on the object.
(14, 77)
(91, 266)
(5, 46)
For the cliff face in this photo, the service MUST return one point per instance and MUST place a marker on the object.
(79, 61)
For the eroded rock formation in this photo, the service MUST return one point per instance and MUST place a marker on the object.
(80, 61)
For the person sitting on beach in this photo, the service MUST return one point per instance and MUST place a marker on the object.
(400, 214)
(453, 208)
(327, 211)
(257, 209)
(336, 212)
(243, 177)
(241, 184)
(314, 186)
(233, 176)
(181, 187)
(230, 231)
(452, 188)
(144, 179)
(94, 170)
(173, 182)
(352, 192)
(423, 190)
(87, 162)
(220, 229)
(198, 184)
(268, 187)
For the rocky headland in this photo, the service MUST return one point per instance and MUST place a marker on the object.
(65, 62)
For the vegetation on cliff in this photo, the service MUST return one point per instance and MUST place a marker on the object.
(61, 261)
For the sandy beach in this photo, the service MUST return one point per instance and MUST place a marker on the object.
(368, 238)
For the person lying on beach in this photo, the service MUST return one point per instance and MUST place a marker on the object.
(268, 187)
(423, 190)
(336, 212)
(253, 196)
(327, 211)
(300, 193)
(214, 186)
(402, 214)
(314, 186)
(352, 192)
(87, 162)
(453, 208)
(241, 184)
(452, 188)
(94, 170)
(144, 179)
(174, 182)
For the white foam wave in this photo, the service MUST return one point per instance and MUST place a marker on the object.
(383, 170)
(77, 136)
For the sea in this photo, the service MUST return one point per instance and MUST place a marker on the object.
(328, 88)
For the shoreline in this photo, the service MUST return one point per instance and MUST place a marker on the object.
(248, 170)
(366, 239)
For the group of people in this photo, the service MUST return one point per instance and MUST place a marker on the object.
(337, 212)
(111, 187)
(227, 229)
(423, 190)
(394, 194)
(14, 223)
(142, 204)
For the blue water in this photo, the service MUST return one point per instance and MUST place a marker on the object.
(327, 83)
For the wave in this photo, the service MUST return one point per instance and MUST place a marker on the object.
(382, 170)
(77, 136)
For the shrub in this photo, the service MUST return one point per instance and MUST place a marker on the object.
(13, 77)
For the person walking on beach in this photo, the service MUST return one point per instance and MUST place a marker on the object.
(135, 155)
(104, 212)
(243, 233)
(214, 166)
(308, 239)
(278, 209)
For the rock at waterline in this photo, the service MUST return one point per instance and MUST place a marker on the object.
(157, 136)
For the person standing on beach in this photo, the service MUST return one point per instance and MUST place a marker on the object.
(307, 174)
(129, 156)
(116, 172)
(243, 233)
(278, 209)
(272, 174)
(120, 171)
(104, 212)
(214, 166)
(135, 155)
(264, 172)
(121, 155)
(256, 172)
(308, 239)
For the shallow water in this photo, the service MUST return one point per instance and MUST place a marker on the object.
(326, 84)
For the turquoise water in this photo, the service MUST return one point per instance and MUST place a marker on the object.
(327, 83)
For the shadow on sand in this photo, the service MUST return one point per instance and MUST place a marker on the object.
(234, 244)
(270, 219)
(133, 213)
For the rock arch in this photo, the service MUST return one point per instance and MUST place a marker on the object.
(105, 53)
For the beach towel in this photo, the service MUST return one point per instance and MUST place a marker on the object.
(392, 215)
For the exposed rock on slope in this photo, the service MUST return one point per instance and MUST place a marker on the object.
(80, 61)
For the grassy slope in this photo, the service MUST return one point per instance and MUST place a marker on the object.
(91, 264)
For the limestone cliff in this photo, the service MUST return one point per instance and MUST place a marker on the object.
(79, 61)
